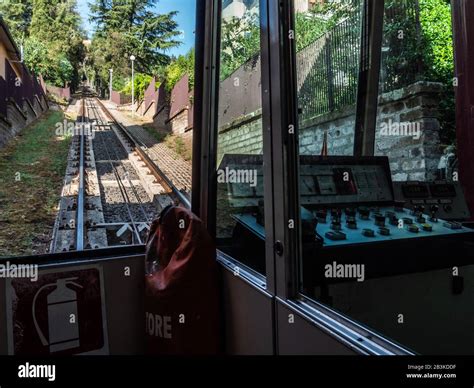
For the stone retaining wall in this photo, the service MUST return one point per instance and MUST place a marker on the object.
(407, 131)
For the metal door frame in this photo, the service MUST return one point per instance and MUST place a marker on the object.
(281, 166)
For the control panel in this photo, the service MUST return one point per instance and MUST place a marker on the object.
(448, 197)
(325, 181)
(349, 200)
(241, 178)
(363, 225)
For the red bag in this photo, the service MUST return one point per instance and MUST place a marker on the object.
(182, 297)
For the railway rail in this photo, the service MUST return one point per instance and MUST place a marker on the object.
(140, 148)
(104, 196)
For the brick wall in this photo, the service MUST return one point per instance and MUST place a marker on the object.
(412, 108)
(179, 123)
(242, 136)
(416, 105)
(5, 131)
(64, 93)
(160, 119)
(16, 117)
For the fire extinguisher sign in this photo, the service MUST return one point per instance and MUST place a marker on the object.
(62, 313)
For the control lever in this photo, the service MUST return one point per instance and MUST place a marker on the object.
(418, 213)
(321, 216)
(336, 214)
(260, 215)
(433, 211)
(350, 212)
(364, 213)
(351, 223)
(379, 220)
(336, 225)
(399, 206)
(418, 210)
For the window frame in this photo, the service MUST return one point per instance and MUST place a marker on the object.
(207, 131)
(286, 173)
(281, 169)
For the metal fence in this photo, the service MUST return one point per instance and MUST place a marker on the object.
(64, 93)
(38, 87)
(162, 99)
(191, 110)
(18, 87)
(328, 68)
(119, 98)
(3, 97)
(402, 47)
(151, 95)
(27, 86)
(180, 96)
(14, 84)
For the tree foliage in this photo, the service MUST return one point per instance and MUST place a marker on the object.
(240, 42)
(420, 47)
(240, 37)
(17, 14)
(51, 33)
(57, 25)
(184, 64)
(320, 19)
(126, 27)
(56, 70)
(141, 83)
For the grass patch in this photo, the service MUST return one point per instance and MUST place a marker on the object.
(58, 100)
(32, 168)
(157, 135)
(175, 142)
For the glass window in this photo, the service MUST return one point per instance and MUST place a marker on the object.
(240, 213)
(392, 249)
(86, 117)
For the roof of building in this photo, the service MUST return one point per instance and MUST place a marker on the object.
(7, 38)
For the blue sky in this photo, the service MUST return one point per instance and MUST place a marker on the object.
(185, 18)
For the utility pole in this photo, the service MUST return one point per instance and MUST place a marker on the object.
(110, 93)
(132, 58)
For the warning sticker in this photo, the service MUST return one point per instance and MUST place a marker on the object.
(62, 313)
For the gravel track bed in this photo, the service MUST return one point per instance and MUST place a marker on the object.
(106, 173)
(115, 208)
(116, 151)
(116, 211)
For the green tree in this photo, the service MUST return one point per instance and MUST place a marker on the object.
(425, 52)
(240, 37)
(126, 27)
(55, 69)
(435, 18)
(320, 19)
(99, 14)
(51, 34)
(56, 24)
(17, 14)
(240, 42)
(180, 66)
(141, 82)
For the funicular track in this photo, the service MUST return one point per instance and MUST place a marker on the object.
(106, 199)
